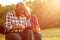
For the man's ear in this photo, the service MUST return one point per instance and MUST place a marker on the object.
(15, 10)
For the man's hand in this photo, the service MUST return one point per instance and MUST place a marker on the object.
(16, 28)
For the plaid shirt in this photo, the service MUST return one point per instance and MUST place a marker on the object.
(11, 19)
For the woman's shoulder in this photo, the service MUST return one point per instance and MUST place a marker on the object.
(33, 16)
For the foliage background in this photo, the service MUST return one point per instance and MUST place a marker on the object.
(47, 12)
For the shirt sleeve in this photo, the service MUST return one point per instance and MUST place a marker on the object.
(34, 21)
(8, 24)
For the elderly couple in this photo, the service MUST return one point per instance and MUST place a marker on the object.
(21, 25)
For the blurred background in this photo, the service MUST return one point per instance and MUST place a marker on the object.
(47, 12)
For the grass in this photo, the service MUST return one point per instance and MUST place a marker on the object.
(2, 37)
(47, 34)
(51, 34)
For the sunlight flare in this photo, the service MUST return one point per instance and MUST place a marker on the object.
(7, 2)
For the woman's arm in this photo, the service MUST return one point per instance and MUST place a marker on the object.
(34, 23)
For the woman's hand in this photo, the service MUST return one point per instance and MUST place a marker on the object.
(33, 28)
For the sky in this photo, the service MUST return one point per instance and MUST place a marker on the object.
(6, 2)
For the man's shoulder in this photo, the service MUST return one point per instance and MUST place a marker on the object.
(10, 13)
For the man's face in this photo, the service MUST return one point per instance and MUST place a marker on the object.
(20, 9)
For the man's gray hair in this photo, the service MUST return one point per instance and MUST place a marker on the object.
(23, 3)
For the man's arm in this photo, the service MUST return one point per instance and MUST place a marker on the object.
(8, 25)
